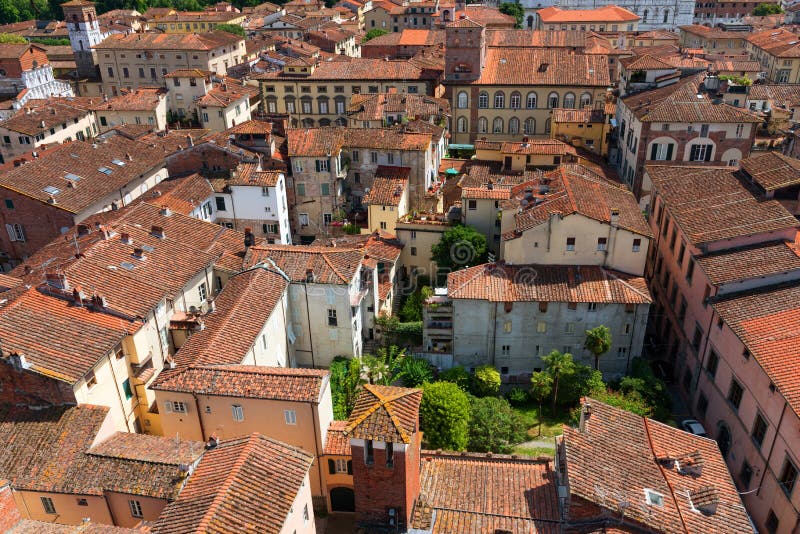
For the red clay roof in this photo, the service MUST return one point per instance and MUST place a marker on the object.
(772, 170)
(385, 413)
(606, 470)
(778, 42)
(536, 66)
(226, 493)
(387, 191)
(170, 41)
(337, 443)
(485, 193)
(753, 262)
(610, 13)
(497, 282)
(328, 265)
(248, 381)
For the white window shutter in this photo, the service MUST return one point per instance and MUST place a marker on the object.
(168, 406)
(12, 234)
(20, 233)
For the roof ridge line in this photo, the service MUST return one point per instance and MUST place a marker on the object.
(330, 264)
(608, 273)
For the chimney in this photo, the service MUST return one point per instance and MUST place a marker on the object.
(99, 302)
(614, 217)
(249, 238)
(41, 124)
(56, 279)
(309, 276)
(586, 412)
(51, 199)
(138, 253)
(189, 141)
(83, 229)
(77, 296)
(165, 211)
(125, 237)
(157, 231)
(128, 157)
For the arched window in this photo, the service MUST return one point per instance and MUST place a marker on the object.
(724, 438)
(569, 100)
(322, 103)
(586, 100)
(530, 101)
(497, 125)
(513, 126)
(483, 125)
(483, 100)
(516, 98)
(446, 15)
(324, 122)
(547, 126)
(461, 125)
(463, 100)
(666, 16)
(644, 16)
(529, 126)
(530, 22)
(552, 100)
(499, 99)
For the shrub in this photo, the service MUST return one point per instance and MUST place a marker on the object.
(494, 426)
(517, 396)
(486, 381)
(444, 416)
(457, 375)
(413, 372)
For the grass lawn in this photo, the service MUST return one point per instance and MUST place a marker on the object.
(534, 452)
(551, 424)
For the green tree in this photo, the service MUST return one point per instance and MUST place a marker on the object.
(598, 342)
(632, 402)
(412, 307)
(345, 385)
(12, 38)
(413, 372)
(373, 33)
(486, 381)
(558, 365)
(9, 13)
(494, 426)
(444, 416)
(457, 375)
(581, 382)
(375, 371)
(460, 246)
(762, 10)
(230, 28)
(541, 386)
(515, 10)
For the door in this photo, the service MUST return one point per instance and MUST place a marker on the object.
(507, 163)
(343, 500)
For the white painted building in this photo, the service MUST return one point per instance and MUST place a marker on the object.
(655, 15)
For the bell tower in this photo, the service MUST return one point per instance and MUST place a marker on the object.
(465, 52)
(84, 33)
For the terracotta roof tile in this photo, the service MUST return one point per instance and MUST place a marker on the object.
(605, 470)
(337, 443)
(536, 38)
(142, 99)
(767, 321)
(169, 41)
(376, 106)
(387, 191)
(644, 62)
(536, 66)
(711, 204)
(356, 69)
(772, 170)
(563, 115)
(783, 95)
(225, 494)
(248, 381)
(73, 171)
(516, 495)
(778, 42)
(30, 120)
(248, 175)
(182, 195)
(610, 13)
(485, 193)
(329, 265)
(751, 262)
(385, 413)
(148, 448)
(551, 283)
(227, 93)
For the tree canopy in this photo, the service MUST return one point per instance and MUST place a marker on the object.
(598, 342)
(373, 33)
(494, 426)
(515, 10)
(230, 28)
(762, 10)
(444, 416)
(460, 246)
(12, 38)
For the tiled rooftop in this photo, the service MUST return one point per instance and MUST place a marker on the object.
(499, 282)
(606, 470)
(536, 38)
(247, 381)
(711, 204)
(227, 93)
(753, 262)
(226, 493)
(477, 494)
(537, 66)
(373, 107)
(329, 265)
(40, 116)
(79, 174)
(772, 170)
(355, 69)
(337, 443)
(386, 191)
(609, 13)
(170, 41)
(778, 42)
(385, 413)
(147, 448)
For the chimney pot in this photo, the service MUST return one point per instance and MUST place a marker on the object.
(125, 237)
(157, 231)
(165, 211)
(138, 253)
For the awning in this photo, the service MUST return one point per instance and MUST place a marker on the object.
(455, 146)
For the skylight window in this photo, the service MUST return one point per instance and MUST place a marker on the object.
(127, 265)
(654, 498)
(105, 170)
(147, 248)
(118, 162)
(73, 177)
(52, 190)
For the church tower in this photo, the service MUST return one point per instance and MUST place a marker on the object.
(84, 33)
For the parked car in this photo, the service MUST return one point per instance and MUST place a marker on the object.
(663, 370)
(695, 427)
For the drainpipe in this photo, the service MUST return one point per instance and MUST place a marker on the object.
(116, 386)
(308, 320)
(199, 416)
(318, 445)
(771, 448)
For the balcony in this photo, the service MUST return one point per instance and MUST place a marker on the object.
(439, 326)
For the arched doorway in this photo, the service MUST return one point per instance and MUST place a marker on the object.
(343, 500)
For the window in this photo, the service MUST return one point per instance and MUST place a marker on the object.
(735, 394)
(591, 306)
(701, 153)
(220, 203)
(175, 406)
(389, 454)
(332, 321)
(746, 474)
(529, 126)
(369, 453)
(325, 189)
(702, 404)
(497, 125)
(506, 350)
(339, 466)
(569, 328)
(483, 125)
(472, 205)
(654, 498)
(569, 101)
(499, 99)
(413, 251)
(126, 388)
(602, 243)
(483, 100)
(516, 98)
(110, 72)
(238, 412)
(461, 125)
(530, 101)
(15, 232)
(321, 165)
(91, 379)
(290, 416)
(513, 125)
(327, 219)
(739, 130)
(772, 523)
(661, 151)
(305, 514)
(47, 504)
(373, 157)
(788, 476)
(136, 508)
(83, 502)
(704, 130)
(759, 429)
(303, 219)
(570, 244)
(541, 327)
(552, 100)
(463, 100)
(637, 244)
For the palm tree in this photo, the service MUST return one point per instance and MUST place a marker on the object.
(598, 342)
(558, 365)
(541, 385)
